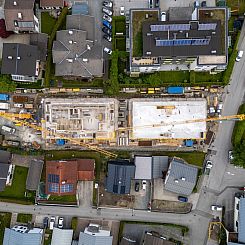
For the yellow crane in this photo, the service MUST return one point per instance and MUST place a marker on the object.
(16, 115)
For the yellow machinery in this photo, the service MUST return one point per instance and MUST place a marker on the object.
(168, 107)
(210, 227)
(17, 115)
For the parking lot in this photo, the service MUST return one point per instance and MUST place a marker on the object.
(39, 220)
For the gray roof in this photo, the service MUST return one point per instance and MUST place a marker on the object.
(181, 178)
(75, 52)
(19, 59)
(87, 239)
(16, 238)
(159, 165)
(241, 221)
(143, 168)
(180, 13)
(80, 8)
(120, 173)
(150, 38)
(61, 237)
(156, 240)
(41, 41)
(34, 175)
(5, 156)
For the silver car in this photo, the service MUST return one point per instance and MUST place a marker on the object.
(107, 11)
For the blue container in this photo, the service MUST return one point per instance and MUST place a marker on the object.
(175, 90)
(189, 143)
(60, 142)
(4, 97)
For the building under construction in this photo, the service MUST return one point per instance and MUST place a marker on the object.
(167, 118)
(90, 119)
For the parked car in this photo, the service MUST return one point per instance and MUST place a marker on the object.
(108, 38)
(156, 3)
(122, 11)
(209, 164)
(106, 31)
(239, 55)
(230, 155)
(107, 4)
(60, 222)
(45, 222)
(216, 208)
(137, 186)
(163, 16)
(52, 223)
(107, 11)
(107, 50)
(182, 199)
(107, 24)
(144, 185)
(107, 17)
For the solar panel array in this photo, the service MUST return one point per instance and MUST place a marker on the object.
(66, 188)
(53, 178)
(171, 27)
(52, 187)
(182, 42)
(207, 26)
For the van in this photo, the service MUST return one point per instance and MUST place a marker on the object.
(239, 55)
(52, 223)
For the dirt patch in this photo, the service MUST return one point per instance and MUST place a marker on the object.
(170, 206)
(24, 161)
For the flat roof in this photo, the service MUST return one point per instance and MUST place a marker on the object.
(171, 112)
(143, 168)
(181, 38)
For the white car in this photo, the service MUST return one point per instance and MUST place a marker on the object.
(209, 164)
(122, 11)
(107, 50)
(239, 55)
(107, 17)
(60, 222)
(216, 208)
(163, 16)
(107, 4)
(230, 155)
(144, 185)
(52, 223)
(107, 11)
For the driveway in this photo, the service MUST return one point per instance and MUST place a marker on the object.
(85, 193)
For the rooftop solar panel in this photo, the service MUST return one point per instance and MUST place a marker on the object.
(207, 26)
(53, 178)
(66, 188)
(53, 188)
(171, 27)
(182, 42)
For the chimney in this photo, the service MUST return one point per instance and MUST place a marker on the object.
(70, 42)
(15, 3)
(88, 47)
(18, 57)
(10, 57)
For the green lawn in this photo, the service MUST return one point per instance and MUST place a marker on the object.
(121, 44)
(24, 218)
(47, 23)
(236, 5)
(5, 219)
(63, 199)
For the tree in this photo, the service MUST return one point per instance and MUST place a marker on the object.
(3, 32)
(239, 155)
(6, 84)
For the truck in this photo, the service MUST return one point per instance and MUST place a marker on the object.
(4, 97)
(7, 129)
(175, 90)
(4, 106)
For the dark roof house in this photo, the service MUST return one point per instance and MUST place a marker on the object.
(76, 52)
(41, 41)
(21, 61)
(181, 177)
(5, 168)
(20, 17)
(119, 175)
(155, 239)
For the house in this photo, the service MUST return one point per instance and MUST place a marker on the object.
(34, 175)
(153, 238)
(22, 235)
(21, 61)
(184, 41)
(61, 236)
(181, 178)
(119, 176)
(62, 176)
(76, 53)
(95, 235)
(20, 16)
(51, 4)
(6, 169)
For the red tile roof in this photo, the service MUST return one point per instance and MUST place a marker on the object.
(86, 169)
(52, 3)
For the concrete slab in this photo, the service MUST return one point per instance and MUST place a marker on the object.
(85, 193)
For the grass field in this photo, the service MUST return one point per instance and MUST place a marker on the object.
(5, 219)
(63, 199)
(47, 23)
(24, 218)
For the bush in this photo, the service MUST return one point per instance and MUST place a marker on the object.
(74, 223)
(24, 218)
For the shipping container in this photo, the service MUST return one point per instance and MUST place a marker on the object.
(29, 106)
(4, 106)
(4, 97)
(20, 99)
(175, 90)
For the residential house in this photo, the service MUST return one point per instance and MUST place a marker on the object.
(61, 236)
(6, 169)
(181, 178)
(62, 176)
(119, 176)
(76, 53)
(20, 16)
(185, 41)
(22, 235)
(153, 238)
(95, 235)
(51, 4)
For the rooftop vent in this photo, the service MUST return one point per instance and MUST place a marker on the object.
(213, 52)
(213, 32)
(70, 60)
(63, 182)
(15, 3)
(18, 57)
(70, 32)
(176, 181)
(186, 34)
(148, 52)
(20, 15)
(10, 57)
(70, 42)
(85, 60)
(149, 34)
(88, 47)
(183, 178)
